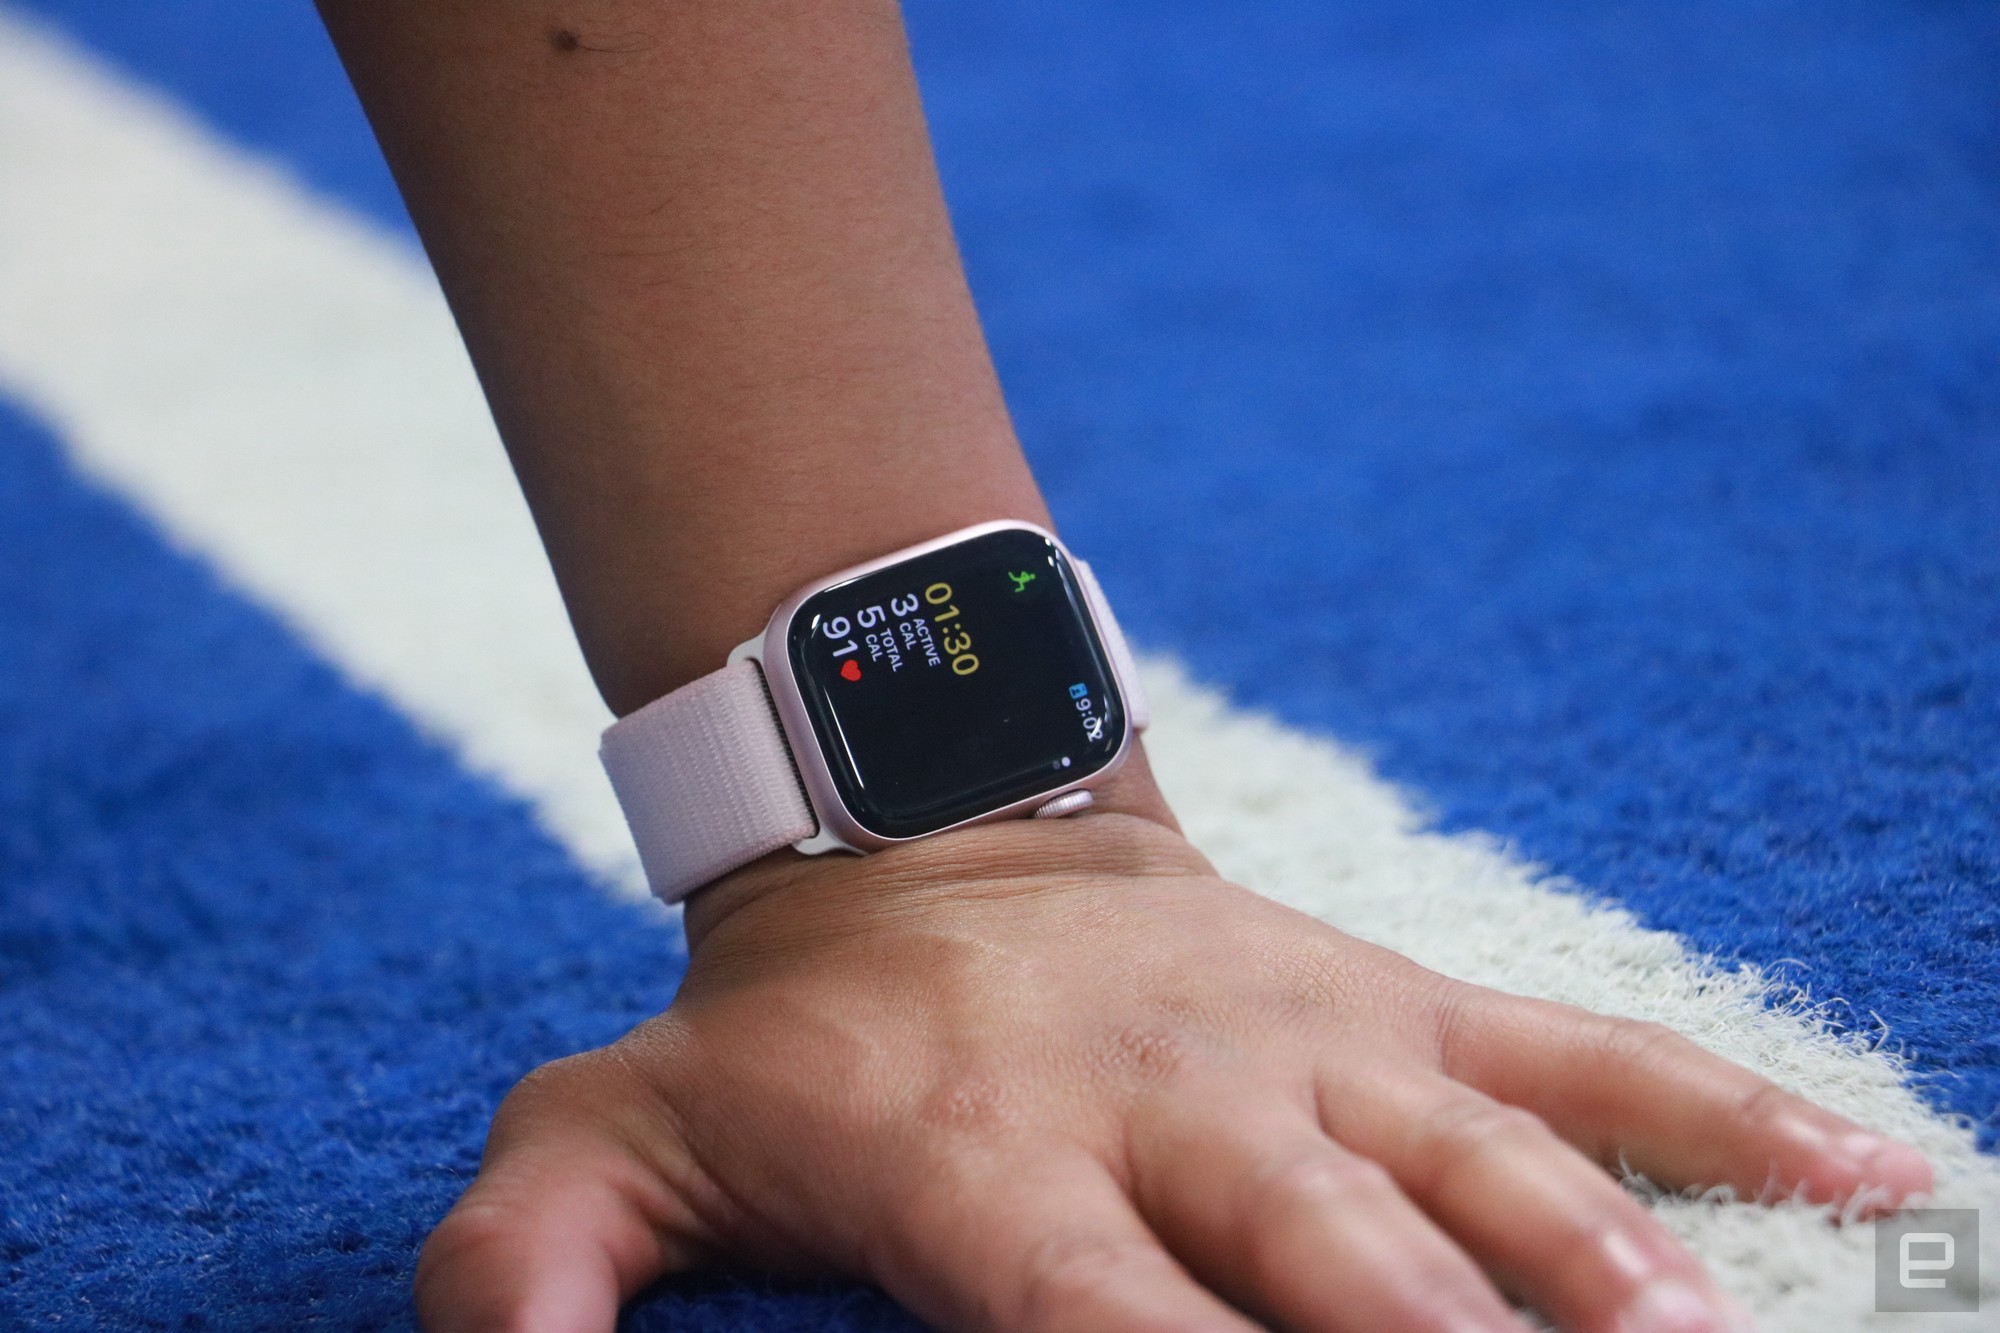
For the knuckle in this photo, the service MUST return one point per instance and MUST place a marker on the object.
(1318, 1179)
(1147, 1052)
(1301, 1194)
(552, 1080)
(1454, 1010)
(1468, 1136)
(1632, 1046)
(466, 1231)
(1609, 1251)
(537, 1091)
(1069, 1277)
(593, 1089)
(970, 1104)
(1762, 1107)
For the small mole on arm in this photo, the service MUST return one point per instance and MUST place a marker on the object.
(562, 39)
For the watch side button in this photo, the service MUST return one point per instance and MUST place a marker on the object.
(1068, 803)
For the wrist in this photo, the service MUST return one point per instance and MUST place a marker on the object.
(785, 881)
(645, 636)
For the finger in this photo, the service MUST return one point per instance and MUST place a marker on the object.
(1268, 1210)
(1050, 1245)
(1550, 1225)
(564, 1221)
(1642, 1094)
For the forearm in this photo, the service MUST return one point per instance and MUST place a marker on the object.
(700, 257)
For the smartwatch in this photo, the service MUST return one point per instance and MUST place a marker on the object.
(976, 677)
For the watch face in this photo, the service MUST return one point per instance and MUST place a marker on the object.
(956, 683)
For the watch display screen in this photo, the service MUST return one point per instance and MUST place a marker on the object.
(955, 683)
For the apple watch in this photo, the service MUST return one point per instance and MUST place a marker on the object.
(975, 677)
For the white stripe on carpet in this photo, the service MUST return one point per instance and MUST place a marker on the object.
(278, 383)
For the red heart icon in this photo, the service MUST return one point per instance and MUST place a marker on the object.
(851, 669)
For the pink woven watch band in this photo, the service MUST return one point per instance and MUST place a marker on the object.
(706, 780)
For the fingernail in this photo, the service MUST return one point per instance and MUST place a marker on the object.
(1877, 1155)
(1890, 1172)
(1806, 1133)
(1671, 1305)
(1875, 1158)
(1863, 1149)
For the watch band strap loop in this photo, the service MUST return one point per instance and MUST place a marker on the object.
(706, 780)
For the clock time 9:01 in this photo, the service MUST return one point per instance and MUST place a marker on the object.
(954, 640)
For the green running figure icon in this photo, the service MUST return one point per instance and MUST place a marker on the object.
(1021, 581)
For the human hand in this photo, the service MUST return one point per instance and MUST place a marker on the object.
(1061, 1076)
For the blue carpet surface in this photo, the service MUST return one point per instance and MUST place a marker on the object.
(267, 959)
(1591, 411)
